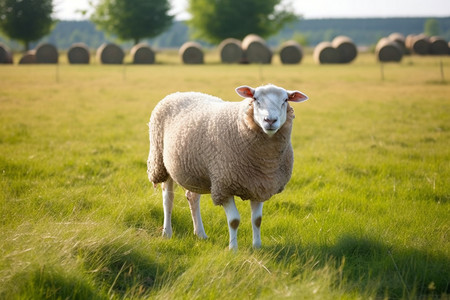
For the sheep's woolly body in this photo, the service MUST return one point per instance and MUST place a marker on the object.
(208, 145)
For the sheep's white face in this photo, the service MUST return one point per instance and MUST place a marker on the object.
(270, 105)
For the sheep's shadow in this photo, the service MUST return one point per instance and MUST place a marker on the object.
(370, 265)
(113, 266)
(120, 267)
(48, 282)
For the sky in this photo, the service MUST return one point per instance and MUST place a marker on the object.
(309, 9)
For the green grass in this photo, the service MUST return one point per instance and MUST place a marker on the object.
(365, 215)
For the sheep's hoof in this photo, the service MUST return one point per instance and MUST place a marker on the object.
(256, 246)
(167, 234)
(201, 235)
(233, 248)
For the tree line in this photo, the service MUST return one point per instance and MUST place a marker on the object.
(156, 27)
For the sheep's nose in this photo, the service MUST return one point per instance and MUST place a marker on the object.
(270, 121)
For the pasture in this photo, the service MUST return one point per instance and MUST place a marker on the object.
(365, 215)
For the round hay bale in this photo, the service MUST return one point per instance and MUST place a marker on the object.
(46, 54)
(78, 54)
(142, 54)
(438, 46)
(256, 50)
(191, 53)
(231, 51)
(399, 39)
(388, 51)
(28, 58)
(345, 47)
(418, 44)
(291, 52)
(5, 55)
(110, 54)
(325, 53)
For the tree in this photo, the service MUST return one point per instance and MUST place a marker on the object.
(431, 27)
(26, 20)
(217, 20)
(133, 20)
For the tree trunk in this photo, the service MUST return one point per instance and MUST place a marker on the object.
(27, 45)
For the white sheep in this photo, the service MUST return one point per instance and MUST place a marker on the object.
(228, 149)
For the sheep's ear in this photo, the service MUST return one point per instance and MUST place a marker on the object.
(245, 91)
(296, 96)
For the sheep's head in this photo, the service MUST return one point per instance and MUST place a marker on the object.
(270, 105)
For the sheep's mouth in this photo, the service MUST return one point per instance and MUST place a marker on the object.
(271, 127)
(270, 130)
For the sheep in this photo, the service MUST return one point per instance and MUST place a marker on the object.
(207, 145)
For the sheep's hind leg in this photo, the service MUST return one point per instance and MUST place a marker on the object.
(194, 205)
(233, 220)
(256, 222)
(167, 193)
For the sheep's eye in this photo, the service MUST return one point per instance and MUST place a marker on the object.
(256, 100)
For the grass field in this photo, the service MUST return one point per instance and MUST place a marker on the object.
(365, 215)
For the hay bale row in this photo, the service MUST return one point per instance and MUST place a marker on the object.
(191, 53)
(6, 56)
(423, 45)
(388, 50)
(291, 53)
(256, 50)
(110, 53)
(341, 50)
(419, 44)
(393, 47)
(79, 54)
(253, 49)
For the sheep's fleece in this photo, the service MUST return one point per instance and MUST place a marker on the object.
(208, 145)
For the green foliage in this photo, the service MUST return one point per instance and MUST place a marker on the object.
(26, 20)
(431, 27)
(365, 215)
(215, 21)
(133, 20)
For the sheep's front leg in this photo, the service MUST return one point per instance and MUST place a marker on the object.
(256, 222)
(194, 205)
(167, 193)
(233, 220)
